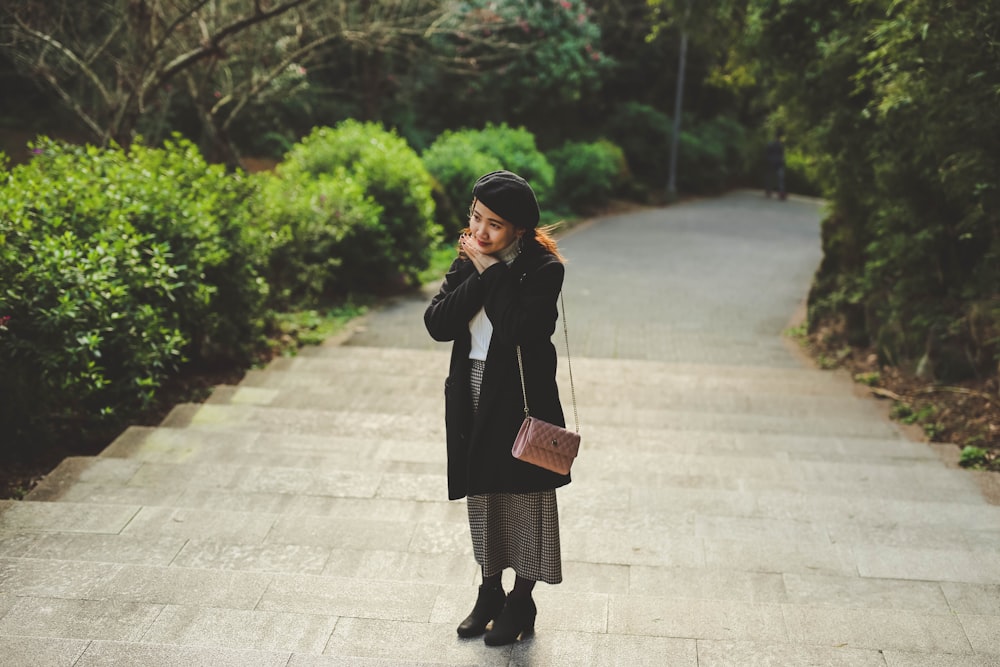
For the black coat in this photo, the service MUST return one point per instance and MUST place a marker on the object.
(520, 301)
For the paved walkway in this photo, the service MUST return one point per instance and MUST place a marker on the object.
(730, 506)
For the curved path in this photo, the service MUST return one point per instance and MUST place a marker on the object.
(730, 506)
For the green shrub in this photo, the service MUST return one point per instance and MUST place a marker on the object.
(391, 175)
(516, 151)
(116, 266)
(973, 457)
(315, 223)
(457, 158)
(712, 156)
(206, 217)
(588, 174)
(455, 163)
(801, 174)
(644, 134)
(80, 338)
(172, 195)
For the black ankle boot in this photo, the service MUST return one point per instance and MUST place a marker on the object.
(488, 606)
(516, 620)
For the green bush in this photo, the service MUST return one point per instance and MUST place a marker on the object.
(588, 174)
(205, 215)
(712, 156)
(116, 265)
(644, 134)
(79, 336)
(314, 223)
(516, 150)
(801, 173)
(457, 158)
(173, 196)
(455, 163)
(890, 99)
(391, 175)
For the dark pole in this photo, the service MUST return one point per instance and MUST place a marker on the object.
(678, 106)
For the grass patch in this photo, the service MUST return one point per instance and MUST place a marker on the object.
(312, 327)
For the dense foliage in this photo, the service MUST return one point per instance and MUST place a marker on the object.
(117, 266)
(899, 102)
(457, 158)
(588, 174)
(389, 241)
(521, 62)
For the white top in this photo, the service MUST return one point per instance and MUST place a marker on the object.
(480, 326)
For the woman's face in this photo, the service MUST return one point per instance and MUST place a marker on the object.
(491, 232)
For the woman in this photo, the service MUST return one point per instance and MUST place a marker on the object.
(501, 293)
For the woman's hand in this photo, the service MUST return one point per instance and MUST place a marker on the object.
(479, 259)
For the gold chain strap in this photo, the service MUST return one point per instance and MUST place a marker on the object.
(569, 366)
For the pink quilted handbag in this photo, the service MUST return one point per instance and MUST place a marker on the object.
(546, 445)
(539, 442)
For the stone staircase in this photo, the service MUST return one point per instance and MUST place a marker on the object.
(719, 515)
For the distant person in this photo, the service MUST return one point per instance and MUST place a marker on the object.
(500, 293)
(774, 154)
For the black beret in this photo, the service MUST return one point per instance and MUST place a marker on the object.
(510, 196)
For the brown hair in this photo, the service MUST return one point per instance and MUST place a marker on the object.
(543, 237)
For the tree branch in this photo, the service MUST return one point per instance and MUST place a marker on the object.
(100, 49)
(270, 76)
(211, 46)
(68, 54)
(94, 126)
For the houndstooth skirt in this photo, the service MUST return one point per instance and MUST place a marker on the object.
(514, 530)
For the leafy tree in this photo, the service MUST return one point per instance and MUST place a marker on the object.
(899, 100)
(142, 66)
(517, 61)
(117, 63)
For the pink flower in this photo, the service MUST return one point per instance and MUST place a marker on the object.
(566, 4)
(3, 321)
(217, 94)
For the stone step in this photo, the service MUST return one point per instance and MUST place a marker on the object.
(680, 451)
(193, 443)
(283, 542)
(333, 360)
(279, 610)
(727, 634)
(162, 543)
(645, 467)
(231, 574)
(383, 393)
(719, 461)
(741, 462)
(906, 481)
(738, 491)
(690, 518)
(288, 373)
(430, 426)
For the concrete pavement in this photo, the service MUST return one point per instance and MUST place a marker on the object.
(730, 506)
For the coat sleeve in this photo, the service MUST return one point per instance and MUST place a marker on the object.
(459, 299)
(522, 307)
